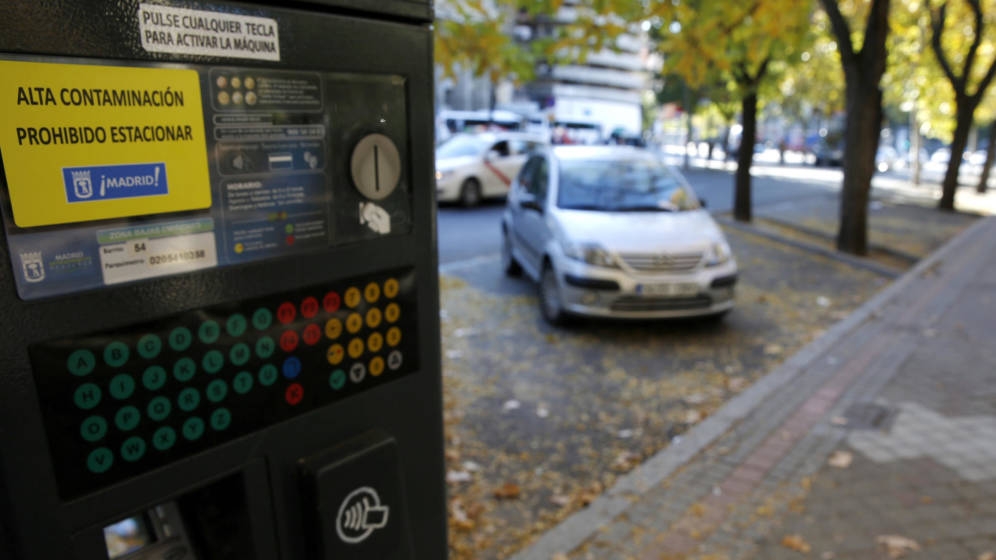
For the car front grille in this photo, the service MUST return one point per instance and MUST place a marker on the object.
(662, 262)
(638, 303)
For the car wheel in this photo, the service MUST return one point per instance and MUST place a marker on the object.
(470, 193)
(508, 262)
(549, 297)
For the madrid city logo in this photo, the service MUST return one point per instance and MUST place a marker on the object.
(32, 266)
(82, 184)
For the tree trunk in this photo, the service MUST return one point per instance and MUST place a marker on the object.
(966, 111)
(745, 156)
(864, 117)
(990, 156)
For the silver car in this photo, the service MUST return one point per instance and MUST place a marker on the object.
(612, 231)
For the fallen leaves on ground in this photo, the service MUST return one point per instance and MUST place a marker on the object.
(508, 491)
(897, 546)
(796, 543)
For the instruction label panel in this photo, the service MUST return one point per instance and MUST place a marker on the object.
(200, 32)
(83, 143)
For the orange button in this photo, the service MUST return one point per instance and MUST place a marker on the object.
(374, 317)
(355, 348)
(391, 288)
(372, 292)
(335, 354)
(354, 323)
(333, 328)
(376, 366)
(392, 313)
(375, 342)
(393, 336)
(353, 297)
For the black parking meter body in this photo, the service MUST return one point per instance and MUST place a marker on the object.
(218, 282)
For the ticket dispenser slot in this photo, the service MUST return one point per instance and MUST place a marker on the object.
(221, 312)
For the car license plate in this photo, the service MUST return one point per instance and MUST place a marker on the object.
(668, 290)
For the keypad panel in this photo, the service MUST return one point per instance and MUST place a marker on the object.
(119, 403)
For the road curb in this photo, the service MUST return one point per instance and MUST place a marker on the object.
(850, 260)
(577, 528)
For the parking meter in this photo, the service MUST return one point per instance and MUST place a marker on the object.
(218, 282)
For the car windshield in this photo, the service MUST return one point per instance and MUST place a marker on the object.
(461, 146)
(622, 185)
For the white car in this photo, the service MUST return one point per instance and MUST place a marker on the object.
(615, 232)
(472, 167)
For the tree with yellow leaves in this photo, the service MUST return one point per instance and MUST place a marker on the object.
(961, 36)
(746, 43)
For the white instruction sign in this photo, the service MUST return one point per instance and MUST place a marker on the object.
(198, 32)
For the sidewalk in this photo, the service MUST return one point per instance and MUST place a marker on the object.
(877, 440)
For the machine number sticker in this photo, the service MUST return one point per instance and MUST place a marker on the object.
(137, 253)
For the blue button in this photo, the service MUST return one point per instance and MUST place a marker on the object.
(292, 367)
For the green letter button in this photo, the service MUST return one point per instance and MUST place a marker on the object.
(268, 375)
(164, 438)
(93, 429)
(149, 346)
(180, 339)
(159, 408)
(127, 418)
(213, 361)
(100, 460)
(262, 319)
(132, 449)
(209, 332)
(265, 347)
(236, 325)
(87, 396)
(221, 419)
(184, 369)
(242, 382)
(116, 354)
(216, 390)
(81, 362)
(240, 354)
(193, 428)
(122, 386)
(189, 399)
(154, 378)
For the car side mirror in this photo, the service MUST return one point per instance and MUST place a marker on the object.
(703, 203)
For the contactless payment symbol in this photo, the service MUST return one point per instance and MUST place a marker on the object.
(360, 514)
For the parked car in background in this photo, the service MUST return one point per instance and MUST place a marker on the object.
(887, 159)
(612, 231)
(472, 167)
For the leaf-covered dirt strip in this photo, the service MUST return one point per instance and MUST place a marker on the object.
(906, 228)
(539, 421)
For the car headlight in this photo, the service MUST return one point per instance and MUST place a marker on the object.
(590, 253)
(718, 253)
(441, 175)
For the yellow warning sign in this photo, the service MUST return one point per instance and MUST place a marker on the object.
(83, 142)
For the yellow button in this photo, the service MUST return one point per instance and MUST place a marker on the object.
(335, 354)
(354, 323)
(375, 342)
(393, 336)
(355, 348)
(392, 313)
(372, 292)
(353, 297)
(374, 317)
(376, 366)
(333, 328)
(391, 288)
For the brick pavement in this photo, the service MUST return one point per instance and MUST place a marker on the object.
(906, 389)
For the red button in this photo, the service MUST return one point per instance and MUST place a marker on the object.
(286, 312)
(309, 307)
(288, 341)
(294, 394)
(332, 302)
(312, 334)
